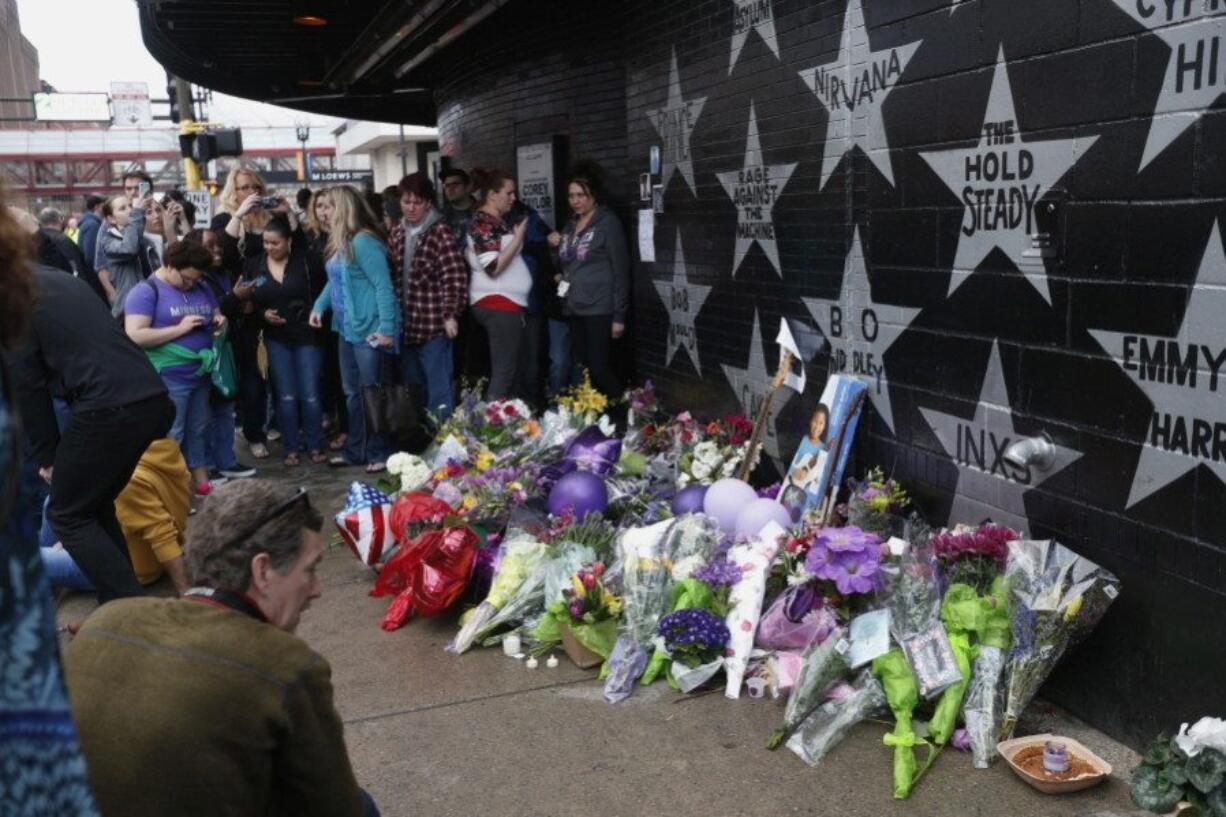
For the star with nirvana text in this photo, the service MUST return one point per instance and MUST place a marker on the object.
(852, 89)
(988, 486)
(999, 181)
(1195, 71)
(860, 330)
(754, 189)
(1184, 376)
(675, 124)
(683, 301)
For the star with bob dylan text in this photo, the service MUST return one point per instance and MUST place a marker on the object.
(988, 486)
(675, 124)
(853, 89)
(754, 190)
(860, 330)
(751, 384)
(999, 182)
(683, 301)
(1184, 376)
(1195, 76)
(752, 15)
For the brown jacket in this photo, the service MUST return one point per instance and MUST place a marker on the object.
(185, 708)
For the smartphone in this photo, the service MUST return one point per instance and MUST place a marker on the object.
(143, 189)
(269, 202)
(260, 281)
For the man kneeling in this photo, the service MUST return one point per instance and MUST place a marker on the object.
(209, 704)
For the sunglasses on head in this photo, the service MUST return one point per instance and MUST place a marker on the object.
(279, 510)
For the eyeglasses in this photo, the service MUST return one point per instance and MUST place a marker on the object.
(277, 512)
(453, 184)
(254, 188)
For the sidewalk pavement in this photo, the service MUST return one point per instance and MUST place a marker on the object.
(435, 735)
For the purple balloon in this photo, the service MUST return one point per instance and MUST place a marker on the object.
(757, 513)
(689, 500)
(592, 451)
(581, 492)
(724, 501)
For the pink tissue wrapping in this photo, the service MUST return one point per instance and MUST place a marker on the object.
(787, 670)
(745, 602)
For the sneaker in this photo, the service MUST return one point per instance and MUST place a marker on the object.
(238, 471)
(273, 435)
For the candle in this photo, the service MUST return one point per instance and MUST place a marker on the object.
(552, 662)
(1055, 758)
(511, 645)
(531, 663)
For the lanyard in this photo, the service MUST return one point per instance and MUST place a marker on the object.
(223, 598)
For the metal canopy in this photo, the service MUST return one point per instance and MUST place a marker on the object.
(358, 60)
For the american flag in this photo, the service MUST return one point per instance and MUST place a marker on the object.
(365, 524)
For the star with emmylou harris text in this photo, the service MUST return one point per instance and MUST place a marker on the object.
(860, 330)
(683, 301)
(1195, 71)
(852, 89)
(675, 123)
(752, 15)
(754, 189)
(751, 385)
(999, 181)
(1184, 376)
(988, 486)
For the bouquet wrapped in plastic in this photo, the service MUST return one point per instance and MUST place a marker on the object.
(796, 620)
(877, 505)
(915, 622)
(521, 558)
(1058, 597)
(695, 639)
(821, 666)
(830, 723)
(987, 618)
(586, 608)
(646, 561)
(745, 601)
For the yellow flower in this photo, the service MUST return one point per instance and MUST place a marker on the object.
(469, 502)
(1073, 608)
(484, 460)
(440, 475)
(577, 585)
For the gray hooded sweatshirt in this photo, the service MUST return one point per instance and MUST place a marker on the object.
(596, 264)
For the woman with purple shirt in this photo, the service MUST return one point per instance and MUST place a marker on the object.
(173, 320)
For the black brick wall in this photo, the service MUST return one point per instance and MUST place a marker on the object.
(1129, 242)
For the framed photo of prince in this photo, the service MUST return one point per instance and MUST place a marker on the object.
(818, 464)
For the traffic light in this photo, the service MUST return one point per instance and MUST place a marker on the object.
(208, 146)
(172, 94)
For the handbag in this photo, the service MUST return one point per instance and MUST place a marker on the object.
(225, 370)
(391, 410)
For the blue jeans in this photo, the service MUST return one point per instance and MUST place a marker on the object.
(219, 442)
(432, 366)
(191, 423)
(563, 373)
(362, 366)
(61, 570)
(296, 372)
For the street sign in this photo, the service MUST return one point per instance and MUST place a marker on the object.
(130, 106)
(343, 176)
(57, 107)
(204, 207)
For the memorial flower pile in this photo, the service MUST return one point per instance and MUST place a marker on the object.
(854, 621)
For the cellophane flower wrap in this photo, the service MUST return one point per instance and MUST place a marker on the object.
(915, 622)
(984, 619)
(1057, 599)
(705, 588)
(797, 619)
(586, 607)
(522, 555)
(826, 727)
(754, 559)
(646, 575)
(695, 639)
(821, 666)
(877, 505)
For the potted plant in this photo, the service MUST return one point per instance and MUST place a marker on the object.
(1187, 769)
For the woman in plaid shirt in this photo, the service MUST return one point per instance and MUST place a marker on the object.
(431, 280)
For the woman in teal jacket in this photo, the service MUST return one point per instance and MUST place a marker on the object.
(365, 317)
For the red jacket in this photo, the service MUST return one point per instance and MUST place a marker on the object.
(437, 282)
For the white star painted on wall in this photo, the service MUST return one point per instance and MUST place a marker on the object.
(1185, 378)
(751, 385)
(675, 124)
(852, 89)
(1195, 71)
(860, 330)
(754, 189)
(683, 301)
(999, 181)
(988, 486)
(752, 15)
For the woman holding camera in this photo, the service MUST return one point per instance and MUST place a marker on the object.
(288, 277)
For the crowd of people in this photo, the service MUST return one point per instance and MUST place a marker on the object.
(137, 348)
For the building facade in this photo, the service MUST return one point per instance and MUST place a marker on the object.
(1006, 217)
(18, 68)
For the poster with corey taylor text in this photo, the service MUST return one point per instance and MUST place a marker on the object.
(534, 176)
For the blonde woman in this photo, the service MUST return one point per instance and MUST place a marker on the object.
(318, 226)
(365, 317)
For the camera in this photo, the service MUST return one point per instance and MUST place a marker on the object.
(270, 202)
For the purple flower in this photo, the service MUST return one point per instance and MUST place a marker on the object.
(853, 572)
(770, 491)
(718, 572)
(847, 540)
(817, 561)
